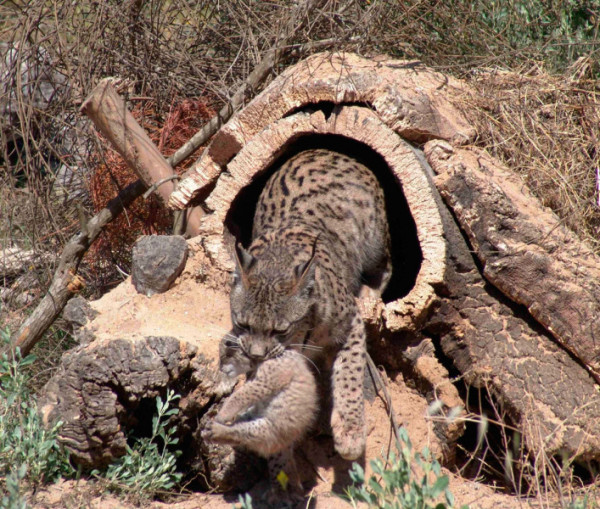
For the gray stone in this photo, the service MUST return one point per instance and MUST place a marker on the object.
(78, 312)
(157, 262)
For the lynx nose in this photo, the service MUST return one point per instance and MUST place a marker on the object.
(257, 351)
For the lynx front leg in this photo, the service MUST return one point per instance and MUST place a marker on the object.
(218, 433)
(348, 414)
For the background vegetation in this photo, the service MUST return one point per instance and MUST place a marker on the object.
(533, 66)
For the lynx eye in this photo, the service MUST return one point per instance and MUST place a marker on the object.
(281, 332)
(241, 326)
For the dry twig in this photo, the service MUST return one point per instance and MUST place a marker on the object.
(65, 282)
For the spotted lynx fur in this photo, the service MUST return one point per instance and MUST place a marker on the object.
(320, 232)
(271, 411)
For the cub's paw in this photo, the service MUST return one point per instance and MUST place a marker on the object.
(217, 433)
(349, 441)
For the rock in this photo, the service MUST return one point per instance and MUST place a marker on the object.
(157, 261)
(77, 312)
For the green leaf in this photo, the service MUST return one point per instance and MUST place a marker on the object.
(439, 486)
(449, 497)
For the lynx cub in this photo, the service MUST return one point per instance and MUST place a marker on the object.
(271, 411)
(320, 232)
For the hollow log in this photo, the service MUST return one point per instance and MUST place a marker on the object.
(409, 98)
(481, 270)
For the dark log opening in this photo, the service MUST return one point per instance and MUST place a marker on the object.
(136, 422)
(406, 251)
(327, 107)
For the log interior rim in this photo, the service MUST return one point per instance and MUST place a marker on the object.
(362, 125)
(406, 249)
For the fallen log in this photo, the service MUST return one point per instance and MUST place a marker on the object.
(525, 250)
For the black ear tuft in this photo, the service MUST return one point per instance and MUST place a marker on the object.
(244, 260)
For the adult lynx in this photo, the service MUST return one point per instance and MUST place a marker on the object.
(320, 232)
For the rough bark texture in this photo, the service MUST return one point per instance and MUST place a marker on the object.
(499, 348)
(525, 250)
(100, 387)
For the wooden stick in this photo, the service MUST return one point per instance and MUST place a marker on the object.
(112, 118)
(65, 282)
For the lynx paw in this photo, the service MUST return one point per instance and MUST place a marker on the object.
(349, 440)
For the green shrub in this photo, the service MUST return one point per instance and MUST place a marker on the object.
(148, 468)
(560, 31)
(395, 485)
(29, 452)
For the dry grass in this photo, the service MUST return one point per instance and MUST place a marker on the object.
(514, 458)
(546, 128)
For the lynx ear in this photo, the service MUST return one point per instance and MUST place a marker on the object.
(305, 272)
(243, 260)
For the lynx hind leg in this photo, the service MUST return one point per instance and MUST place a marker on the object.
(348, 414)
(245, 400)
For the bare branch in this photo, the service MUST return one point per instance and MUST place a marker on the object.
(65, 282)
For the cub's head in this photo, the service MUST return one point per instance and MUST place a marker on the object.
(271, 302)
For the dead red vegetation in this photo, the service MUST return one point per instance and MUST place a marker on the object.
(145, 217)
